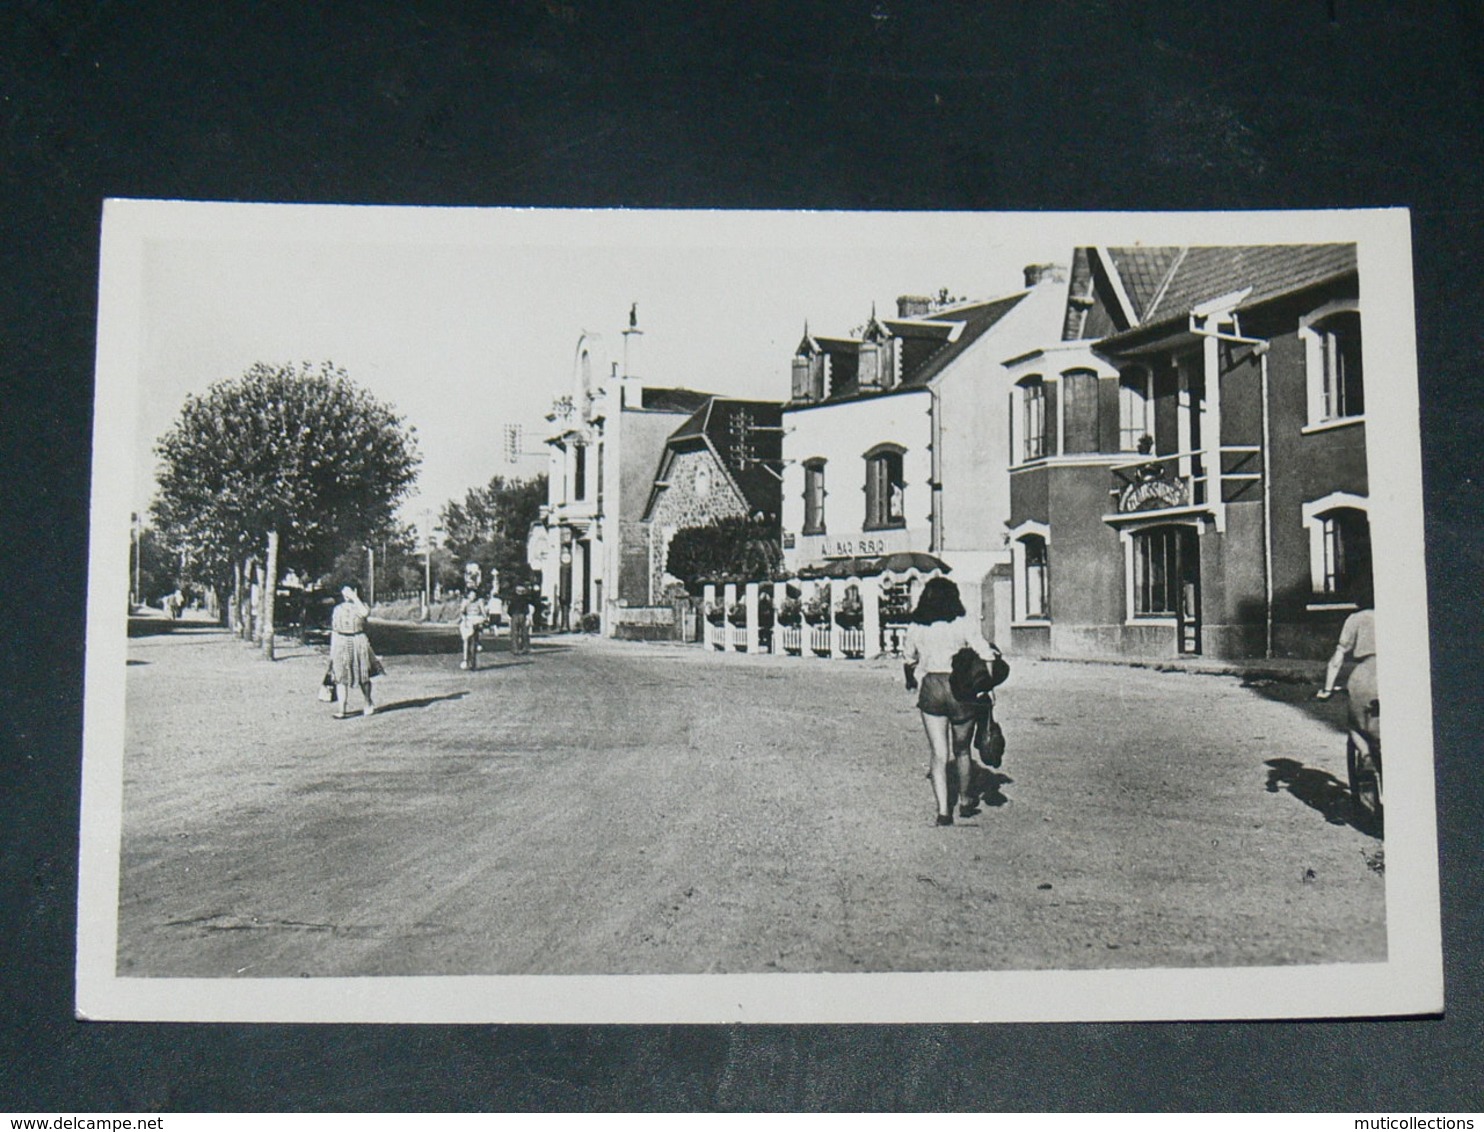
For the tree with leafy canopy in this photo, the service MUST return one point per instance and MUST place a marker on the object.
(733, 548)
(295, 461)
(491, 525)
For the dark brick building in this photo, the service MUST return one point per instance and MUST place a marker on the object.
(1188, 464)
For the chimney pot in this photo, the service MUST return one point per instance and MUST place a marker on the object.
(1044, 272)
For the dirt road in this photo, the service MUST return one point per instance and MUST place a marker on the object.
(619, 808)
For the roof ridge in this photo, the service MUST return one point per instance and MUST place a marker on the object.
(1164, 284)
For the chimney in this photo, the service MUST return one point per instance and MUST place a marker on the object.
(1044, 273)
(913, 306)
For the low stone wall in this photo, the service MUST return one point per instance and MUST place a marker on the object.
(645, 623)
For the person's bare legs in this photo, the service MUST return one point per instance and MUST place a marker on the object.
(963, 741)
(343, 691)
(366, 695)
(937, 728)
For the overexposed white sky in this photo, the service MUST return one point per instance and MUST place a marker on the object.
(466, 320)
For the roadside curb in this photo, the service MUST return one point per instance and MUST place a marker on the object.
(1289, 672)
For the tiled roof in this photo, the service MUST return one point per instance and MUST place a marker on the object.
(1163, 283)
(740, 448)
(1143, 272)
(672, 400)
(926, 350)
(1270, 270)
(977, 318)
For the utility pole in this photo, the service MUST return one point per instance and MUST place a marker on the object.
(134, 530)
(427, 562)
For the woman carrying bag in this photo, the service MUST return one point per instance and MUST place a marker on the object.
(940, 629)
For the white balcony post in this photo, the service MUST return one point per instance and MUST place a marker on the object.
(871, 617)
(750, 597)
(729, 599)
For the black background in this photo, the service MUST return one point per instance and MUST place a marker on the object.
(877, 104)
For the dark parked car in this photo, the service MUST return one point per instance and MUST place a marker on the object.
(307, 612)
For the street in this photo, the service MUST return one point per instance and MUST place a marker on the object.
(604, 807)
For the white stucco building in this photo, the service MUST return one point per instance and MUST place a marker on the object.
(898, 439)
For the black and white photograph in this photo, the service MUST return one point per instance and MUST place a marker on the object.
(540, 615)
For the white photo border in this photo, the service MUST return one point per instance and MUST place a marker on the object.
(1409, 982)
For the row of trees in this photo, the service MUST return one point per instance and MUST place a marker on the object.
(296, 468)
(283, 468)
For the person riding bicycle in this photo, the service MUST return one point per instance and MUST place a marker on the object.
(1357, 643)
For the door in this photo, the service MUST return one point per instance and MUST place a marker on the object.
(1188, 611)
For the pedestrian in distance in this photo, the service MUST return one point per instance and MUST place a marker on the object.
(519, 608)
(941, 627)
(352, 662)
(472, 615)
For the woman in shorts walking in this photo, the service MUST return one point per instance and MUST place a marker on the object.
(940, 628)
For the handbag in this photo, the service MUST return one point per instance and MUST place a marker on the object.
(989, 738)
(327, 692)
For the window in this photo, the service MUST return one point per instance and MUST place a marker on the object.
(814, 497)
(1037, 579)
(1339, 344)
(1030, 591)
(1339, 548)
(579, 471)
(885, 490)
(1157, 573)
(1336, 380)
(1135, 408)
(1033, 417)
(1079, 392)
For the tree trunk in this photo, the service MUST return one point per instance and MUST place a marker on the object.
(255, 602)
(270, 591)
(236, 610)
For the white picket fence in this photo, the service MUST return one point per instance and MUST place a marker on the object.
(879, 629)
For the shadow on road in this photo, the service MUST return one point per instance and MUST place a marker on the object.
(405, 638)
(985, 786)
(156, 626)
(1301, 696)
(1321, 791)
(407, 705)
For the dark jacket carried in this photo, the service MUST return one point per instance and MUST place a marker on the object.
(972, 677)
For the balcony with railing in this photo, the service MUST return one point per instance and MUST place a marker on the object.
(1183, 481)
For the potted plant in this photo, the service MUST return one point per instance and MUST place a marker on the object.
(852, 610)
(791, 612)
(817, 608)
